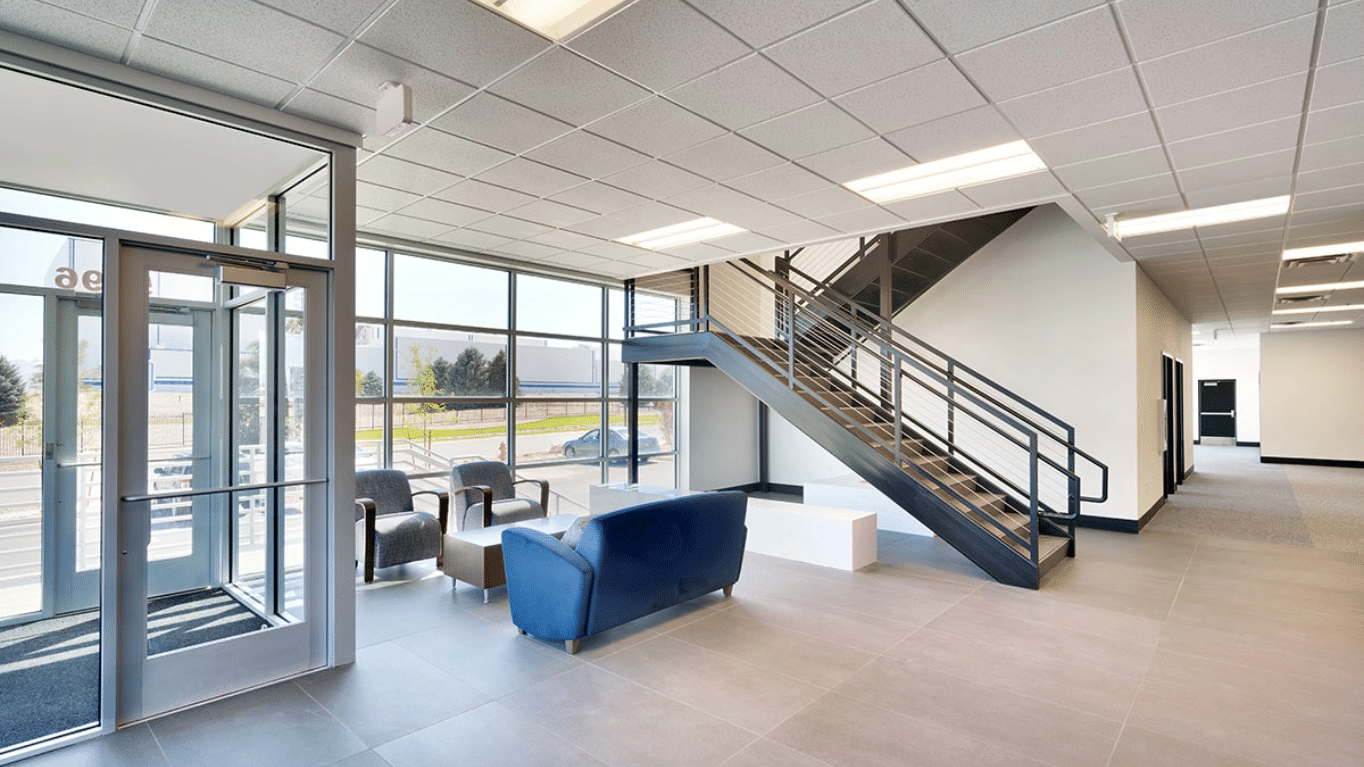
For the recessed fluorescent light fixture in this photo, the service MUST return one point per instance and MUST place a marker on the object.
(1315, 309)
(1325, 287)
(555, 19)
(1293, 254)
(1294, 325)
(681, 234)
(993, 164)
(1188, 219)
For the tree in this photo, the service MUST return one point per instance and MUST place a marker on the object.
(373, 385)
(649, 384)
(421, 381)
(13, 394)
(470, 373)
(496, 377)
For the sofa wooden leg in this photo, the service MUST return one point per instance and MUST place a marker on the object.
(729, 590)
(571, 645)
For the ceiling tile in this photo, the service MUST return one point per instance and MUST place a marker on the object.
(587, 155)
(342, 16)
(1114, 197)
(494, 121)
(864, 220)
(1227, 111)
(443, 212)
(1014, 192)
(1271, 165)
(406, 226)
(247, 34)
(933, 207)
(1332, 178)
(656, 180)
(724, 158)
(825, 202)
(959, 31)
(422, 31)
(800, 232)
(578, 260)
(748, 91)
(747, 242)
(197, 69)
(1350, 215)
(886, 40)
(560, 238)
(761, 218)
(912, 98)
(808, 131)
(530, 177)
(1161, 27)
(1343, 37)
(1249, 190)
(551, 213)
(656, 127)
(1111, 137)
(1058, 53)
(67, 29)
(331, 110)
(857, 161)
(531, 250)
(401, 174)
(437, 149)
(484, 196)
(1335, 123)
(1333, 198)
(1331, 153)
(358, 72)
(1096, 99)
(506, 226)
(599, 198)
(1109, 170)
(760, 22)
(683, 44)
(382, 197)
(1233, 144)
(780, 182)
(1254, 57)
(962, 132)
(472, 240)
(1339, 84)
(567, 86)
(124, 13)
(696, 253)
(614, 250)
(715, 201)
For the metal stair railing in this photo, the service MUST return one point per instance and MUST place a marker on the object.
(919, 407)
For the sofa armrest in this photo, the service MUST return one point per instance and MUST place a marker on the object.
(549, 585)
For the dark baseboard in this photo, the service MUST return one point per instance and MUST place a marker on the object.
(1247, 444)
(772, 487)
(1119, 525)
(1313, 462)
(1198, 442)
(1188, 473)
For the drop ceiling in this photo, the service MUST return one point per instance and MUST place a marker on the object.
(754, 113)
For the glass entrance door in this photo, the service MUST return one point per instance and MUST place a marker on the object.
(222, 586)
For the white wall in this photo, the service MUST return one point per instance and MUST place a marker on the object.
(721, 427)
(1310, 401)
(1048, 313)
(1241, 364)
(794, 459)
(1161, 330)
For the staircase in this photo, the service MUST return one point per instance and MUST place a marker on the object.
(985, 470)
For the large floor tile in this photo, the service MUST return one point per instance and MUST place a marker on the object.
(986, 712)
(488, 736)
(1143, 748)
(130, 747)
(623, 723)
(494, 659)
(1308, 657)
(362, 759)
(276, 725)
(1252, 732)
(769, 753)
(850, 733)
(798, 655)
(1046, 608)
(828, 622)
(389, 692)
(739, 693)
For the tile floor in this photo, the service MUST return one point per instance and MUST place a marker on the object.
(1147, 651)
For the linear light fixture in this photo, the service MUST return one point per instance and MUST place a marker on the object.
(992, 164)
(681, 234)
(1294, 325)
(555, 19)
(1188, 219)
(1324, 287)
(1315, 309)
(1293, 254)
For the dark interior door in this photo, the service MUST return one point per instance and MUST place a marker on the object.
(1217, 409)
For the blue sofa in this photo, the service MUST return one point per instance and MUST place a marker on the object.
(628, 564)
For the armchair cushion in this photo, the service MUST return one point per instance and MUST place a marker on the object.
(401, 537)
(467, 481)
(388, 488)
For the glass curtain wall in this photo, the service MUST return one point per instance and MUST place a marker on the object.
(461, 362)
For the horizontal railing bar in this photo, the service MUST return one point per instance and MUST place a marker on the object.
(220, 490)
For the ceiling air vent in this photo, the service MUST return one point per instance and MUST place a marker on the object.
(1301, 299)
(1329, 260)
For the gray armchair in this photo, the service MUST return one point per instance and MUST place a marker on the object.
(483, 494)
(387, 529)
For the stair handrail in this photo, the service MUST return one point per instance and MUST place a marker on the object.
(863, 250)
(877, 330)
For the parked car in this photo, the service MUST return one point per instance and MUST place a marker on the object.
(618, 444)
